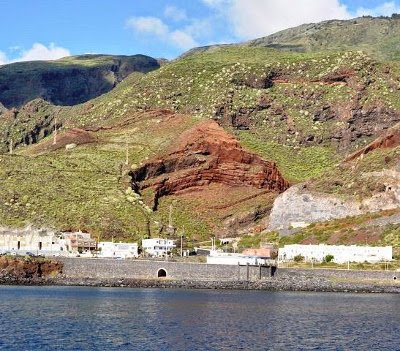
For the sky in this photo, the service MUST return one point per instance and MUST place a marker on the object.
(51, 29)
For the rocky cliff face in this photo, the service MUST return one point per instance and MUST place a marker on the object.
(299, 206)
(68, 81)
(203, 155)
(20, 268)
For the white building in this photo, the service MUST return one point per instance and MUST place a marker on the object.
(31, 240)
(44, 242)
(340, 253)
(217, 257)
(118, 250)
(157, 247)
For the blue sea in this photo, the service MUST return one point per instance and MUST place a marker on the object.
(72, 318)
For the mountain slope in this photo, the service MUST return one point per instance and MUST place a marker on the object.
(302, 112)
(68, 81)
(379, 36)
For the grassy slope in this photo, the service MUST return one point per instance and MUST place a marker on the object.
(47, 189)
(199, 83)
(378, 36)
(84, 187)
(69, 80)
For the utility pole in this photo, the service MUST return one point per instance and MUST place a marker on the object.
(55, 132)
(183, 233)
(170, 216)
(11, 146)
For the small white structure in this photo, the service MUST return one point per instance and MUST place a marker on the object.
(31, 240)
(45, 242)
(217, 257)
(340, 253)
(118, 250)
(157, 247)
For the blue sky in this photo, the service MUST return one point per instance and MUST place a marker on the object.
(49, 29)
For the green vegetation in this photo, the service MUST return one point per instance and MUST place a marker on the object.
(254, 241)
(291, 108)
(328, 258)
(296, 165)
(67, 81)
(83, 188)
(378, 36)
(298, 258)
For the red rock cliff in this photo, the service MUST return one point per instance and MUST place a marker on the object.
(206, 154)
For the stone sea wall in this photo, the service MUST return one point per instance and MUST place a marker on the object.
(139, 269)
(144, 274)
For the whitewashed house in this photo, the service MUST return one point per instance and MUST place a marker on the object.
(45, 242)
(158, 247)
(31, 240)
(109, 249)
(340, 253)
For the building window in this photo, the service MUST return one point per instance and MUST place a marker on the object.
(18, 245)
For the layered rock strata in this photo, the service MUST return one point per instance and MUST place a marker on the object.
(203, 155)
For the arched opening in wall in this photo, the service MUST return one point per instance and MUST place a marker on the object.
(162, 273)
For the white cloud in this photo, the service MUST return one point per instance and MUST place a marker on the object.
(175, 13)
(200, 28)
(149, 25)
(255, 18)
(238, 20)
(249, 19)
(37, 52)
(3, 58)
(181, 38)
(386, 9)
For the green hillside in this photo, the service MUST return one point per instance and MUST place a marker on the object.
(378, 36)
(67, 81)
(305, 111)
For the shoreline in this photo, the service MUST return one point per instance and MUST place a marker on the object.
(272, 284)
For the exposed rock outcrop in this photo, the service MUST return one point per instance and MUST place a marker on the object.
(20, 268)
(299, 207)
(28, 124)
(389, 140)
(362, 122)
(203, 155)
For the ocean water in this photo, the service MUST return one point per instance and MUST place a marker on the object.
(71, 318)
